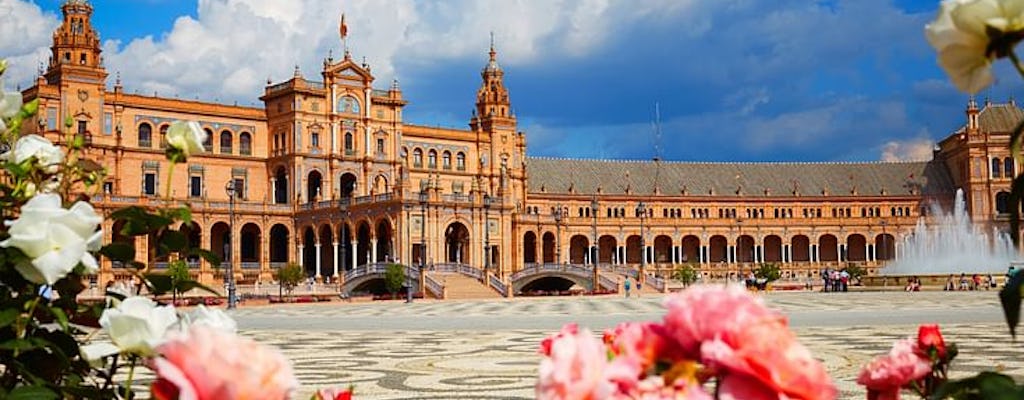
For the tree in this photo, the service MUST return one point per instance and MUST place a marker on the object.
(178, 271)
(856, 271)
(768, 272)
(394, 278)
(289, 276)
(686, 274)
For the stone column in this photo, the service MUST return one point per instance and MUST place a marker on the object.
(335, 259)
(319, 259)
(302, 256)
(355, 257)
(373, 251)
(839, 251)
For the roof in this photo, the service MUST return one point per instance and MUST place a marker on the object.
(1000, 117)
(581, 176)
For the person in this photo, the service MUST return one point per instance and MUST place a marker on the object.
(824, 280)
(639, 282)
(950, 286)
(991, 282)
(976, 280)
(844, 279)
(627, 285)
(963, 281)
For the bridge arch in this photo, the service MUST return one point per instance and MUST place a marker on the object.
(456, 243)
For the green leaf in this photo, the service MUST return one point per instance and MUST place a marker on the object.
(119, 251)
(173, 240)
(986, 385)
(18, 344)
(183, 214)
(1016, 197)
(31, 393)
(8, 316)
(61, 317)
(1010, 299)
(207, 255)
(158, 283)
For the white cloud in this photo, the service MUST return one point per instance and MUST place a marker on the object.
(25, 37)
(918, 149)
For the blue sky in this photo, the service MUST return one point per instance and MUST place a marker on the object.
(736, 80)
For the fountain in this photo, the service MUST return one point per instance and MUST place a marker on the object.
(952, 245)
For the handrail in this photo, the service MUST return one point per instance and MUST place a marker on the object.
(433, 286)
(657, 283)
(498, 285)
(608, 282)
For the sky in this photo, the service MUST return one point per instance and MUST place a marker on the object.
(733, 80)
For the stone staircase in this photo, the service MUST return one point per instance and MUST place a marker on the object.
(459, 286)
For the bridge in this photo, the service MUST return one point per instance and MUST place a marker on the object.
(562, 277)
(368, 277)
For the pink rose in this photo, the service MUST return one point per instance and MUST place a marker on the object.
(646, 343)
(206, 363)
(702, 313)
(574, 367)
(333, 394)
(888, 373)
(654, 388)
(766, 352)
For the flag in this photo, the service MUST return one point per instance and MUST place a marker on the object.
(343, 29)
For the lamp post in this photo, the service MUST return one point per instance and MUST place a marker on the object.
(595, 253)
(408, 289)
(641, 209)
(487, 233)
(557, 214)
(229, 276)
(423, 232)
(885, 247)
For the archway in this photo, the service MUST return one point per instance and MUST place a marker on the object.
(886, 247)
(633, 251)
(745, 249)
(549, 247)
(578, 245)
(279, 244)
(193, 239)
(691, 249)
(718, 248)
(456, 243)
(549, 285)
(828, 248)
(250, 245)
(607, 245)
(856, 247)
(348, 185)
(314, 185)
(309, 251)
(220, 241)
(384, 241)
(281, 186)
(662, 249)
(326, 251)
(345, 248)
(772, 249)
(380, 184)
(529, 248)
(363, 244)
(801, 248)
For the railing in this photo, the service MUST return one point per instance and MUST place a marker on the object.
(657, 283)
(367, 269)
(324, 204)
(445, 268)
(363, 199)
(306, 206)
(250, 265)
(608, 282)
(433, 286)
(457, 198)
(464, 269)
(498, 285)
(379, 92)
(161, 265)
(382, 197)
(620, 270)
(278, 265)
(566, 268)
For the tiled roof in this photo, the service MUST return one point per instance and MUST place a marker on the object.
(579, 176)
(1000, 117)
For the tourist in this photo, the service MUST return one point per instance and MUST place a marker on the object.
(837, 284)
(976, 281)
(627, 285)
(991, 282)
(844, 279)
(825, 274)
(950, 285)
(963, 281)
(639, 282)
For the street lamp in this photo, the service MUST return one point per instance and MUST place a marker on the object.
(641, 208)
(487, 232)
(557, 213)
(595, 249)
(229, 276)
(423, 232)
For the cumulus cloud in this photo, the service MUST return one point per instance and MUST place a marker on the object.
(919, 149)
(25, 37)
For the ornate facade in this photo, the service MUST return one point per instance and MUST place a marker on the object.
(331, 176)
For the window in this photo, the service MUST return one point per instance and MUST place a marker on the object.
(432, 159)
(225, 142)
(348, 104)
(460, 161)
(240, 188)
(996, 167)
(417, 158)
(446, 160)
(82, 127)
(1002, 202)
(51, 119)
(208, 143)
(380, 146)
(108, 187)
(145, 135)
(1008, 167)
(108, 123)
(195, 186)
(245, 144)
(314, 139)
(348, 143)
(163, 136)
(149, 184)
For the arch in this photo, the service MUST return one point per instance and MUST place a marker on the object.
(432, 159)
(245, 144)
(348, 184)
(578, 245)
(662, 249)
(1002, 202)
(549, 285)
(607, 246)
(718, 249)
(1008, 168)
(801, 246)
(827, 250)
(309, 251)
(326, 255)
(226, 139)
(220, 241)
(279, 243)
(446, 160)
(281, 186)
(417, 157)
(856, 248)
(163, 135)
(633, 251)
(314, 185)
(745, 249)
(384, 241)
(145, 136)
(208, 142)
(456, 243)
(349, 144)
(348, 104)
(380, 184)
(548, 245)
(460, 161)
(691, 249)
(772, 248)
(885, 247)
(249, 250)
(345, 248)
(363, 243)
(529, 248)
(996, 167)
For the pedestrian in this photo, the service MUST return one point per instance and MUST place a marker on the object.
(639, 283)
(963, 281)
(950, 286)
(626, 286)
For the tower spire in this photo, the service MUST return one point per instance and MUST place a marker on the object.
(494, 54)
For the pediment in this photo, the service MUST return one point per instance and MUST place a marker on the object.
(349, 71)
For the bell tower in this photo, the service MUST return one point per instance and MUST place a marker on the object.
(492, 97)
(76, 46)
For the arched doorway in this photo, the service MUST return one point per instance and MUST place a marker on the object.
(363, 244)
(281, 186)
(549, 247)
(886, 247)
(250, 245)
(633, 251)
(529, 248)
(745, 249)
(345, 248)
(772, 249)
(801, 248)
(384, 241)
(309, 251)
(718, 249)
(326, 251)
(380, 184)
(828, 248)
(662, 249)
(691, 249)
(348, 185)
(279, 244)
(314, 186)
(607, 245)
(856, 247)
(456, 243)
(578, 245)
(220, 237)
(193, 239)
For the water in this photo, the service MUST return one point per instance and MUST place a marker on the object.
(953, 245)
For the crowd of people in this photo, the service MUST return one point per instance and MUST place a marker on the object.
(974, 282)
(835, 280)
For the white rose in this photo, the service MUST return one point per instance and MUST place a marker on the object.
(56, 239)
(10, 102)
(48, 157)
(960, 34)
(186, 136)
(210, 317)
(138, 325)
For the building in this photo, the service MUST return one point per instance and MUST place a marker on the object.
(331, 176)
